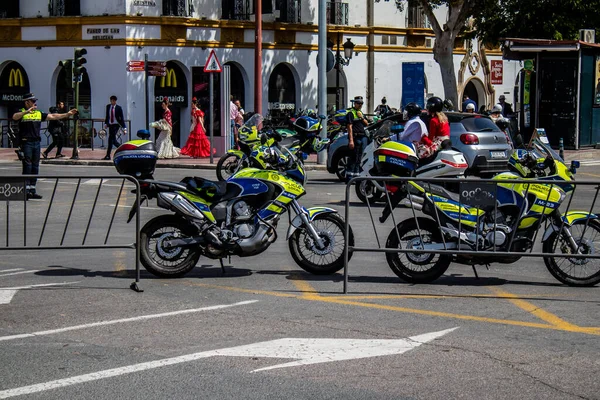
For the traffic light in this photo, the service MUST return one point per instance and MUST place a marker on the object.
(78, 61)
(68, 67)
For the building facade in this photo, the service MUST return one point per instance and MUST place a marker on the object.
(392, 56)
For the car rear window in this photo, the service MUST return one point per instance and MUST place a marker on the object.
(479, 124)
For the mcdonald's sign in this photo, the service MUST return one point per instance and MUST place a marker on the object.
(15, 78)
(170, 80)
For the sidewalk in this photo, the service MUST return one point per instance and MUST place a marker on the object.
(88, 156)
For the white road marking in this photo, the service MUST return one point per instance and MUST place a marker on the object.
(310, 351)
(122, 320)
(11, 270)
(6, 294)
(19, 273)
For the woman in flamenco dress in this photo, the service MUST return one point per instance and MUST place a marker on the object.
(197, 144)
(164, 144)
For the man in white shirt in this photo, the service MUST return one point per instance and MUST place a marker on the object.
(415, 128)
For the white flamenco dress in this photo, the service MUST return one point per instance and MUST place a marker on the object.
(164, 144)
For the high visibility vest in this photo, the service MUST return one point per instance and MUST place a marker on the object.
(35, 116)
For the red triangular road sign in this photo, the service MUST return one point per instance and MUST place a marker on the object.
(212, 63)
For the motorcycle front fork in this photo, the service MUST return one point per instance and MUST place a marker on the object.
(307, 224)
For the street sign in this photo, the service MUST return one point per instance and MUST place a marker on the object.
(135, 69)
(135, 64)
(156, 64)
(155, 72)
(212, 63)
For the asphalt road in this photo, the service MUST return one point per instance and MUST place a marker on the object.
(70, 327)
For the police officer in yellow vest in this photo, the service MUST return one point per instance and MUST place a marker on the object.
(30, 123)
(357, 139)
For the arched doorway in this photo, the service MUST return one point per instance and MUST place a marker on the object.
(336, 83)
(66, 94)
(14, 83)
(238, 83)
(282, 92)
(476, 92)
(174, 87)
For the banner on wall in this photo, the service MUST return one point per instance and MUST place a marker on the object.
(413, 83)
(497, 72)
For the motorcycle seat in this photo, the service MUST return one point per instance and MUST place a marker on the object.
(441, 191)
(214, 191)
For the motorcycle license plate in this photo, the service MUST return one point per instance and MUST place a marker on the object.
(498, 154)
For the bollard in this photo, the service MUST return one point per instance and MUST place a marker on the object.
(561, 148)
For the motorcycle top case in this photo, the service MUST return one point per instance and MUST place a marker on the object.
(396, 158)
(136, 158)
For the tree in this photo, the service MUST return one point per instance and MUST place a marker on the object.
(536, 19)
(445, 35)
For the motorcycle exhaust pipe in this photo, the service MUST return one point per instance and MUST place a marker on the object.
(412, 201)
(184, 242)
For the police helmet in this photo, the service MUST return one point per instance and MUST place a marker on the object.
(412, 109)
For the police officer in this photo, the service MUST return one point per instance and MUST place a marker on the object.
(30, 123)
(357, 140)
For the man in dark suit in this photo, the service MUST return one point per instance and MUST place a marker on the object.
(507, 110)
(113, 121)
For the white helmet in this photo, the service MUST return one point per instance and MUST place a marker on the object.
(497, 109)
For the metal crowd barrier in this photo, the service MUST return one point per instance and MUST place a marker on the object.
(478, 193)
(13, 193)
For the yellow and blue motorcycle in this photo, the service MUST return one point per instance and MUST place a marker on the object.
(238, 217)
(509, 223)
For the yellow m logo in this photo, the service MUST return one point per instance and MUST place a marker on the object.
(15, 78)
(170, 79)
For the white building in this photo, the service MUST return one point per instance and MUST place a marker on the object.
(38, 34)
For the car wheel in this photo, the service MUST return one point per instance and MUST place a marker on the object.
(340, 165)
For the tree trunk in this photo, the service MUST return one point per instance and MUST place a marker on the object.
(443, 54)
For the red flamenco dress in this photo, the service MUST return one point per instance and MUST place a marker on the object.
(197, 144)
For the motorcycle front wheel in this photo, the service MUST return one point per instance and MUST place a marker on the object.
(416, 267)
(167, 262)
(326, 260)
(575, 271)
(367, 190)
(227, 166)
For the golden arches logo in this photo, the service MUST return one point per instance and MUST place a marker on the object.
(170, 79)
(15, 78)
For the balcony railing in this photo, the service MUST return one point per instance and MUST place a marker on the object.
(61, 8)
(239, 10)
(337, 13)
(178, 8)
(289, 10)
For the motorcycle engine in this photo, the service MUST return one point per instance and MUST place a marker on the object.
(243, 213)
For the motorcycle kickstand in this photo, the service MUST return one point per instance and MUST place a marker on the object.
(475, 271)
(223, 266)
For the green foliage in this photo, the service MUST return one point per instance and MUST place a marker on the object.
(535, 19)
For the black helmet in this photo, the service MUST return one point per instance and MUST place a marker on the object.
(435, 104)
(449, 105)
(412, 109)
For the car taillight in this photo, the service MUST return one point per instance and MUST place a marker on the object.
(469, 138)
(455, 165)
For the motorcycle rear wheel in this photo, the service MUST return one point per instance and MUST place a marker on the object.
(227, 166)
(575, 271)
(167, 263)
(367, 190)
(416, 267)
(321, 261)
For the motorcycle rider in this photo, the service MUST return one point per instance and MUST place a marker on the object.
(383, 109)
(501, 122)
(439, 128)
(357, 140)
(415, 130)
(496, 113)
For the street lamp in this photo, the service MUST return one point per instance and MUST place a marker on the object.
(339, 63)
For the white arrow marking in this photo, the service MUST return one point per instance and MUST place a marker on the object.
(6, 294)
(312, 349)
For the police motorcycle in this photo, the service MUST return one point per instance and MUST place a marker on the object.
(445, 163)
(249, 137)
(517, 211)
(239, 217)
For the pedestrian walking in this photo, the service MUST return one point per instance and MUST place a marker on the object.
(30, 124)
(113, 121)
(164, 143)
(197, 145)
(57, 129)
(466, 102)
(506, 107)
(357, 140)
(234, 115)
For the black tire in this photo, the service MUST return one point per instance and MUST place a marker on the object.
(171, 263)
(227, 165)
(566, 269)
(366, 189)
(423, 267)
(334, 259)
(340, 163)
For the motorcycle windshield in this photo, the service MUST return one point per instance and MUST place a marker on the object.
(540, 146)
(249, 131)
